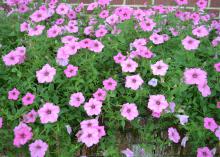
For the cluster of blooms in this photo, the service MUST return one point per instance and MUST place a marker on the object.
(198, 77)
(67, 24)
(91, 132)
(20, 6)
(72, 46)
(14, 57)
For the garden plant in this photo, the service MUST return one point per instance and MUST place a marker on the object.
(76, 79)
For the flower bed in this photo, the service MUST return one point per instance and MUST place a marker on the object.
(76, 80)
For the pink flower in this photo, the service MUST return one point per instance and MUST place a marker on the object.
(119, 58)
(28, 99)
(46, 74)
(134, 82)
(22, 134)
(101, 131)
(157, 39)
(147, 25)
(200, 31)
(202, 4)
(76, 99)
(88, 124)
(157, 103)
(11, 58)
(194, 76)
(100, 94)
(13, 94)
(71, 71)
(38, 148)
(173, 135)
(204, 89)
(101, 32)
(88, 30)
(110, 84)
(128, 153)
(96, 46)
(159, 68)
(90, 137)
(30, 117)
(54, 31)
(204, 152)
(62, 9)
(210, 124)
(129, 111)
(72, 48)
(39, 15)
(1, 122)
(104, 14)
(37, 30)
(24, 27)
(112, 20)
(92, 6)
(217, 67)
(182, 2)
(190, 43)
(68, 39)
(85, 43)
(48, 113)
(129, 65)
(93, 107)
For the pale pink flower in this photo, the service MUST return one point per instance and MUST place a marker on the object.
(22, 134)
(71, 71)
(46, 74)
(36, 30)
(147, 25)
(134, 82)
(159, 68)
(119, 58)
(182, 2)
(204, 152)
(101, 32)
(62, 9)
(101, 131)
(13, 94)
(72, 47)
(217, 66)
(1, 122)
(28, 99)
(30, 117)
(11, 58)
(204, 89)
(157, 103)
(110, 84)
(200, 31)
(173, 135)
(190, 43)
(76, 99)
(88, 124)
(194, 76)
(157, 39)
(96, 46)
(129, 111)
(48, 113)
(68, 39)
(93, 107)
(24, 26)
(90, 137)
(39, 15)
(54, 31)
(100, 94)
(202, 4)
(38, 148)
(129, 65)
(210, 124)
